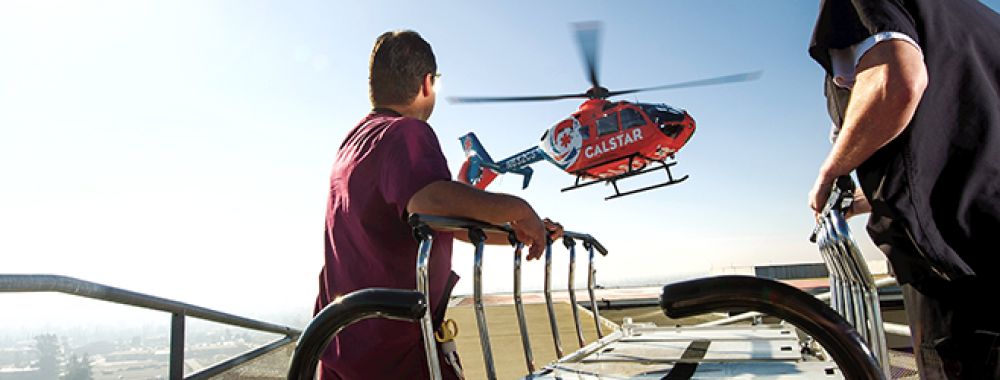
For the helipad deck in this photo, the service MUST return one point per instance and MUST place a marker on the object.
(505, 337)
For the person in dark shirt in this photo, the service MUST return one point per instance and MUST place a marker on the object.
(389, 166)
(913, 88)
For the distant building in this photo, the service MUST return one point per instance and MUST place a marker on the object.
(794, 271)
(17, 356)
(19, 373)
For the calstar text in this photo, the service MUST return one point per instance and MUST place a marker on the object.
(613, 143)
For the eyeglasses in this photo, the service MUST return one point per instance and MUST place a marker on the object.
(436, 81)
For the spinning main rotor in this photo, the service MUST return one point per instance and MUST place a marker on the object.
(587, 37)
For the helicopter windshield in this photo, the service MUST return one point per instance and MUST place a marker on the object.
(662, 113)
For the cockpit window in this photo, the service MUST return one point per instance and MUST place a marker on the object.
(662, 113)
(631, 118)
(607, 124)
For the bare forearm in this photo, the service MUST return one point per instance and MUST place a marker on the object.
(456, 200)
(890, 82)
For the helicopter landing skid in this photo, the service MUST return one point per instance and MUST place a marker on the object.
(614, 180)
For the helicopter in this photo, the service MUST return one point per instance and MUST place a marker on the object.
(603, 141)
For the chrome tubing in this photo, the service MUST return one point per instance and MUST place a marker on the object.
(839, 278)
(519, 307)
(851, 279)
(861, 305)
(426, 326)
(571, 245)
(439, 223)
(477, 235)
(836, 301)
(548, 301)
(867, 289)
(845, 279)
(478, 238)
(591, 281)
(854, 292)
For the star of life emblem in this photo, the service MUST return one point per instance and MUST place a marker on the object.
(564, 142)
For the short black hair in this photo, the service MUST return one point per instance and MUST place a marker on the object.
(399, 62)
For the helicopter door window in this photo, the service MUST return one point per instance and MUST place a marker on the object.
(607, 124)
(632, 118)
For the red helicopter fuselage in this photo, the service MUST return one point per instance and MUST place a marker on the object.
(603, 141)
(609, 137)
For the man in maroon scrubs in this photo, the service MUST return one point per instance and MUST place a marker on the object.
(389, 166)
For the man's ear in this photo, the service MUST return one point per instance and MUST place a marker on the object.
(427, 87)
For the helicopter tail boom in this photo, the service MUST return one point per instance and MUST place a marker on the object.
(479, 170)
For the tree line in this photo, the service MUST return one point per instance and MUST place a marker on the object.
(49, 363)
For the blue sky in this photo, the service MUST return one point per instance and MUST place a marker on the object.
(183, 148)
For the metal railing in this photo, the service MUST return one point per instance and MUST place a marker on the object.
(19, 283)
(853, 291)
(423, 226)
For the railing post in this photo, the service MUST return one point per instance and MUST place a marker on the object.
(519, 305)
(844, 283)
(478, 239)
(868, 291)
(477, 236)
(426, 238)
(824, 252)
(592, 273)
(571, 246)
(854, 293)
(548, 301)
(177, 345)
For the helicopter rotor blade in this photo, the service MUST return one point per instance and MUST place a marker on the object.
(744, 77)
(588, 35)
(498, 99)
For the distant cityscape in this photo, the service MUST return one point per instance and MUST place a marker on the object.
(100, 352)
